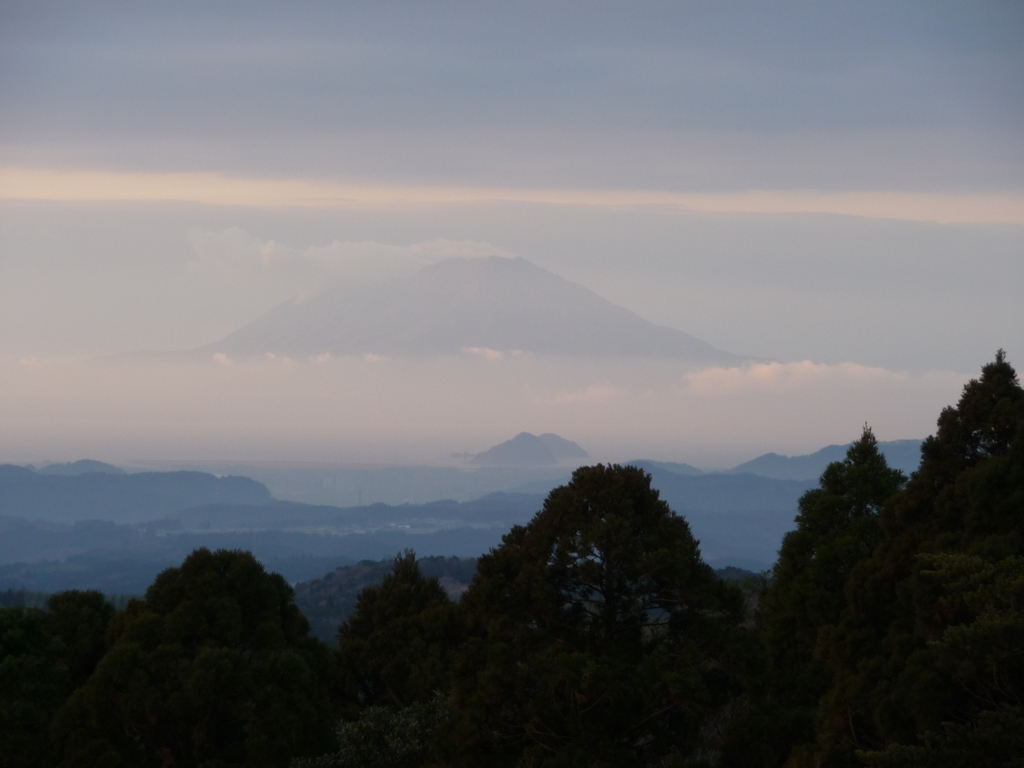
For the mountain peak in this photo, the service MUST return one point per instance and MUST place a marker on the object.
(529, 450)
(492, 303)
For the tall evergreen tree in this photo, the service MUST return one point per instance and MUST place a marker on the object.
(600, 637)
(932, 630)
(837, 527)
(396, 649)
(80, 620)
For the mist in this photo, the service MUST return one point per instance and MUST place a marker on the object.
(379, 410)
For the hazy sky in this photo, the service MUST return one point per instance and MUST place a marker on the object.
(838, 183)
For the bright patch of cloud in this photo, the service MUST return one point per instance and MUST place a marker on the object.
(492, 354)
(786, 377)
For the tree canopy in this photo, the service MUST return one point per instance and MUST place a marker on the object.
(599, 636)
(837, 526)
(44, 656)
(34, 683)
(213, 667)
(931, 631)
(396, 648)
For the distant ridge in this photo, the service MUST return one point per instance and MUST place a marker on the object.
(647, 465)
(122, 498)
(488, 306)
(81, 467)
(900, 454)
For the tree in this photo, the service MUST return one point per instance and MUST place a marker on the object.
(995, 739)
(33, 684)
(396, 648)
(44, 656)
(394, 660)
(80, 620)
(836, 527)
(981, 651)
(931, 631)
(598, 635)
(213, 668)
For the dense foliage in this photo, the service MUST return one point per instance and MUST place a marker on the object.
(931, 630)
(396, 649)
(890, 633)
(837, 527)
(44, 656)
(213, 667)
(597, 637)
(329, 601)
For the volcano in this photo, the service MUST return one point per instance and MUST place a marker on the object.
(489, 306)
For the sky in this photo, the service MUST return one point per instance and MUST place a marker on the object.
(837, 188)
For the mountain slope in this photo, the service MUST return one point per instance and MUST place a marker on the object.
(121, 498)
(900, 454)
(562, 449)
(528, 450)
(456, 305)
(523, 450)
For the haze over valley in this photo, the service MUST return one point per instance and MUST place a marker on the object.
(434, 365)
(115, 530)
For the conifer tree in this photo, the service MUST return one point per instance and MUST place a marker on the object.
(932, 631)
(396, 648)
(599, 636)
(836, 527)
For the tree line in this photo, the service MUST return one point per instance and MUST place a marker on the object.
(889, 633)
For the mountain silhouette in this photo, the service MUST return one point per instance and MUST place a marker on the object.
(81, 467)
(490, 306)
(523, 450)
(120, 498)
(528, 450)
(900, 454)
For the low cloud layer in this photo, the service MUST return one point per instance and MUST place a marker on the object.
(789, 378)
(369, 408)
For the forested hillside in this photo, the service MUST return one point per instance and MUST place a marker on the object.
(889, 633)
